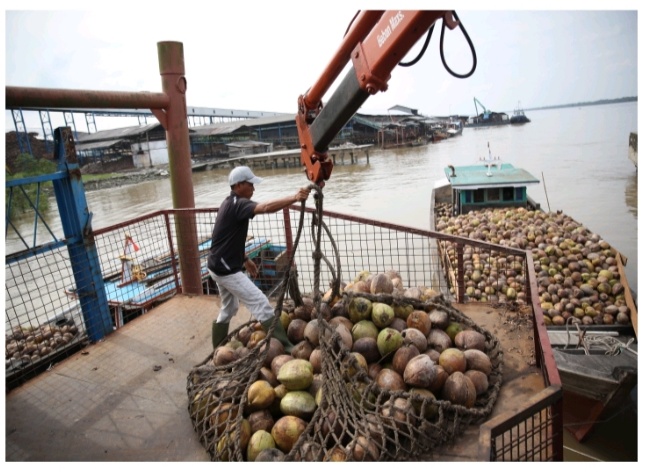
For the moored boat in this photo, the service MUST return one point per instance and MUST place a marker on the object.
(580, 278)
(519, 117)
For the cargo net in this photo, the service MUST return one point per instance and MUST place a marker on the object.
(372, 377)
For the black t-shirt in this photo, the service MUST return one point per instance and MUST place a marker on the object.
(227, 250)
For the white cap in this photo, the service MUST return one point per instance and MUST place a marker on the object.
(243, 174)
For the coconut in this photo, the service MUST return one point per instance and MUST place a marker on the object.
(452, 329)
(469, 339)
(259, 441)
(402, 310)
(439, 379)
(278, 361)
(341, 320)
(382, 283)
(295, 330)
(316, 360)
(311, 333)
(302, 350)
(391, 380)
(345, 335)
(424, 403)
(359, 309)
(267, 375)
(374, 369)
(402, 356)
(260, 395)
(363, 449)
(368, 347)
(298, 403)
(286, 432)
(459, 389)
(223, 355)
(244, 334)
(222, 415)
(310, 451)
(398, 324)
(400, 411)
(420, 372)
(479, 380)
(420, 320)
(439, 319)
(352, 364)
(256, 337)
(478, 360)
(339, 308)
(273, 348)
(261, 420)
(337, 454)
(453, 360)
(272, 454)
(382, 314)
(416, 338)
(363, 329)
(296, 374)
(439, 340)
(389, 340)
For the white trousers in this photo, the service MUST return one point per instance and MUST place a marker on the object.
(238, 287)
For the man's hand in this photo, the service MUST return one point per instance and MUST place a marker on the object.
(302, 194)
(251, 267)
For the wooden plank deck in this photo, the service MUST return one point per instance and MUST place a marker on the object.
(125, 398)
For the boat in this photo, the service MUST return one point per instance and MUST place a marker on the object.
(598, 368)
(599, 378)
(487, 117)
(454, 128)
(139, 285)
(519, 116)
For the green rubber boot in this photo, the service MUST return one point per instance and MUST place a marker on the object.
(219, 332)
(280, 334)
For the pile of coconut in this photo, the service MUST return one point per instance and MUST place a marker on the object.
(402, 365)
(577, 271)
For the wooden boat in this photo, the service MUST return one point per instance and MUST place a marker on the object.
(598, 369)
(140, 285)
(595, 380)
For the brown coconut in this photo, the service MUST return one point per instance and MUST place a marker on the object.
(402, 356)
(274, 348)
(316, 360)
(439, 379)
(420, 372)
(311, 333)
(363, 449)
(479, 380)
(260, 395)
(302, 350)
(420, 320)
(278, 361)
(286, 432)
(267, 375)
(343, 320)
(439, 340)
(368, 347)
(223, 355)
(295, 330)
(439, 319)
(415, 337)
(469, 339)
(391, 380)
(478, 360)
(261, 420)
(459, 389)
(382, 283)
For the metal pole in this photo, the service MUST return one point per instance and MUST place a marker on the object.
(174, 85)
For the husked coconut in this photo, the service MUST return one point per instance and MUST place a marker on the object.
(439, 340)
(402, 356)
(469, 339)
(479, 380)
(390, 380)
(381, 283)
(478, 360)
(415, 337)
(459, 389)
(420, 372)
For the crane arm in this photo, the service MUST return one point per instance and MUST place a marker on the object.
(376, 42)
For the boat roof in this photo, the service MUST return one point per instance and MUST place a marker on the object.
(489, 174)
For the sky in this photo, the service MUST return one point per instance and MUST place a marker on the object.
(259, 55)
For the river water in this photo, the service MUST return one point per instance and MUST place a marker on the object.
(579, 154)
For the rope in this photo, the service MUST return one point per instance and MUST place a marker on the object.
(613, 346)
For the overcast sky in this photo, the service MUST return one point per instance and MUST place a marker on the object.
(261, 55)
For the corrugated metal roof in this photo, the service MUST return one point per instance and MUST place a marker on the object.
(476, 176)
(246, 144)
(220, 128)
(118, 133)
(97, 145)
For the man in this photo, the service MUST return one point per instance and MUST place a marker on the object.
(227, 255)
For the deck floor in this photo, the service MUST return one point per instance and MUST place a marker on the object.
(125, 398)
